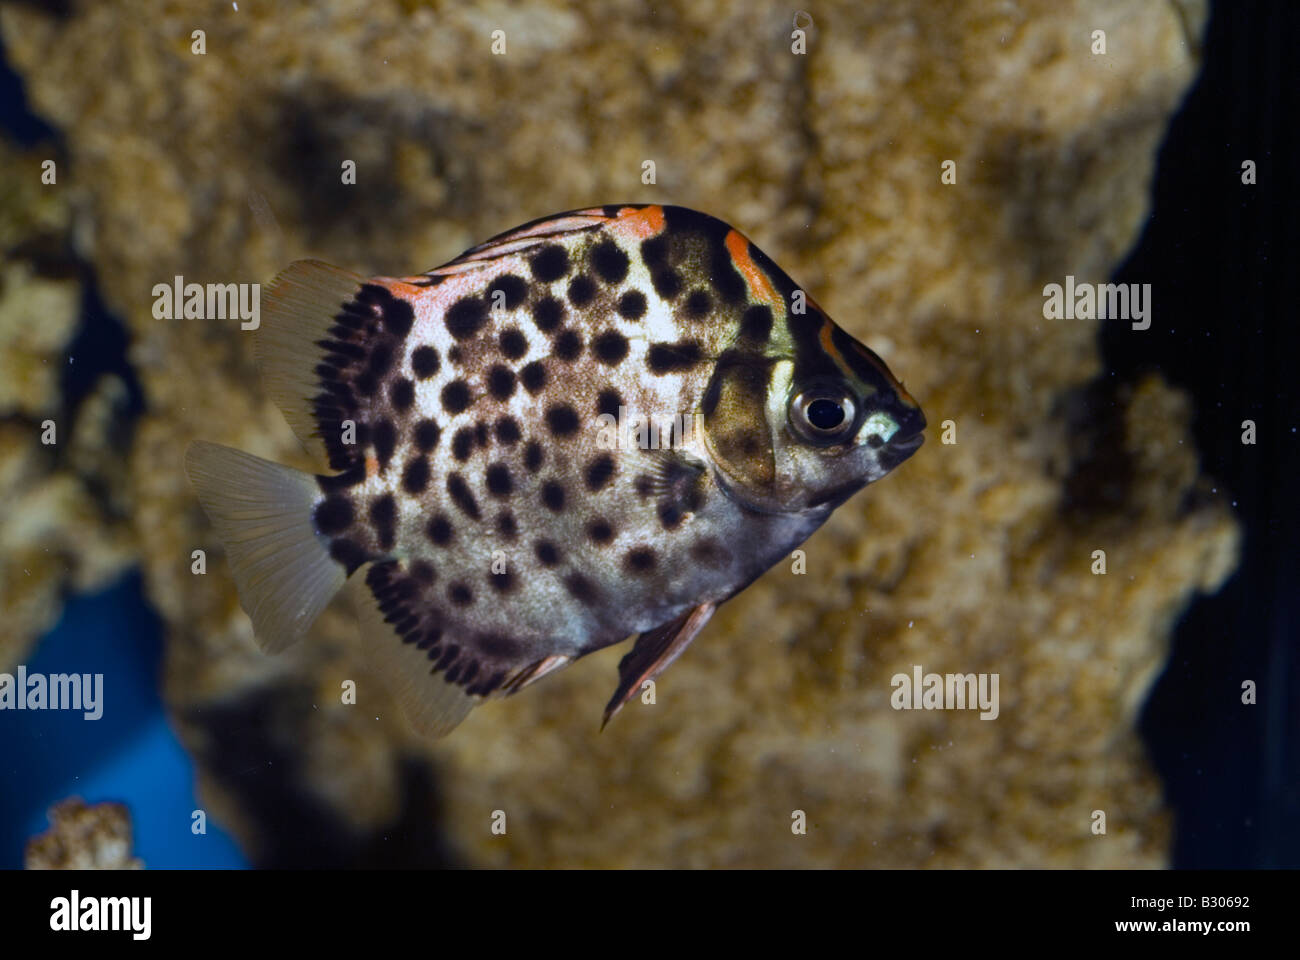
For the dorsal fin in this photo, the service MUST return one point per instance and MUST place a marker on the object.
(303, 304)
(519, 240)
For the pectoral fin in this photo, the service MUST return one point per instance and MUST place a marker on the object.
(652, 654)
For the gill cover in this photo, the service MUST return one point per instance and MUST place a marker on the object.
(736, 428)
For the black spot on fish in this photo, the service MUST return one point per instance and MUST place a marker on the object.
(334, 515)
(581, 290)
(550, 263)
(440, 530)
(506, 525)
(398, 316)
(726, 278)
(580, 588)
(503, 582)
(599, 471)
(599, 531)
(666, 282)
(697, 304)
(498, 480)
(381, 359)
(416, 476)
(568, 345)
(533, 376)
(513, 344)
(547, 553)
(462, 444)
(654, 251)
(561, 419)
(756, 325)
(507, 430)
(631, 306)
(710, 553)
(423, 571)
(548, 313)
(609, 262)
(670, 515)
(481, 433)
(372, 294)
(553, 495)
(426, 435)
(383, 517)
(610, 347)
(673, 357)
(466, 317)
(639, 560)
(608, 402)
(533, 456)
(402, 394)
(501, 382)
(348, 553)
(385, 439)
(455, 396)
(460, 594)
(424, 362)
(461, 496)
(367, 384)
(512, 288)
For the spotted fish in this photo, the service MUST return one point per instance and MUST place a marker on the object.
(600, 424)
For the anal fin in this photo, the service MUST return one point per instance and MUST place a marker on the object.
(652, 654)
(431, 704)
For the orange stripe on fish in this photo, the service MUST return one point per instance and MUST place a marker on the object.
(401, 288)
(832, 351)
(759, 285)
(645, 222)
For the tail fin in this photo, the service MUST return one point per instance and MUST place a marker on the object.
(262, 513)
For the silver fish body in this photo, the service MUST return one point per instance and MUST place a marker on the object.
(602, 423)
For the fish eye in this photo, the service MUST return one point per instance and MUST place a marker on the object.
(823, 416)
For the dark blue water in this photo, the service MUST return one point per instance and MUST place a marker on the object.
(130, 755)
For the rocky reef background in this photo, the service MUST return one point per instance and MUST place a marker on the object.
(975, 557)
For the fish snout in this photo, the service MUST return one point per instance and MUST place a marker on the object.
(905, 441)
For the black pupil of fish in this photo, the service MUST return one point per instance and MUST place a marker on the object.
(825, 414)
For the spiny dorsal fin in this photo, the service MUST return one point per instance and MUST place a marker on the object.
(302, 305)
(262, 513)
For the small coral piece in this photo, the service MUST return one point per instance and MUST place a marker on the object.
(83, 837)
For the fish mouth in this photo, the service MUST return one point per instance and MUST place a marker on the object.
(899, 449)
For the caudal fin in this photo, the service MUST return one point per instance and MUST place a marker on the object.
(262, 513)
